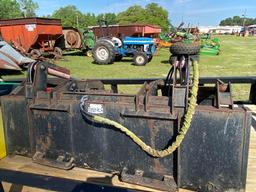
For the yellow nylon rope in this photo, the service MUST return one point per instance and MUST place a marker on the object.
(181, 135)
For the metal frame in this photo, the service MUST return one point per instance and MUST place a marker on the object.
(203, 80)
(53, 183)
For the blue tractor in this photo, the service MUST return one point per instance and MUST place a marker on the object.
(110, 49)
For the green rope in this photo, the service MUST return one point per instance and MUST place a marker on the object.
(181, 135)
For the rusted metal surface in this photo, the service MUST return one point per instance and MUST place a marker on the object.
(31, 33)
(224, 97)
(22, 21)
(140, 81)
(73, 38)
(223, 155)
(167, 184)
(250, 80)
(55, 128)
(57, 163)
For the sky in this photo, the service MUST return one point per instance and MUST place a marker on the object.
(193, 12)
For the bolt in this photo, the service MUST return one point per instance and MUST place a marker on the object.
(42, 67)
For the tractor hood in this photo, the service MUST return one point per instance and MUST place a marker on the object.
(138, 40)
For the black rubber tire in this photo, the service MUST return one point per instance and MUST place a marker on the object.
(108, 48)
(185, 49)
(118, 58)
(140, 59)
(150, 58)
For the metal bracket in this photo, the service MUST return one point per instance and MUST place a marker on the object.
(224, 95)
(167, 184)
(39, 158)
(152, 115)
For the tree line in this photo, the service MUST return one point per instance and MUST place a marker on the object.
(151, 14)
(10, 9)
(72, 17)
(237, 20)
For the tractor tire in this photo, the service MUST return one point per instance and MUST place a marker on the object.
(140, 59)
(103, 53)
(184, 49)
(150, 58)
(118, 58)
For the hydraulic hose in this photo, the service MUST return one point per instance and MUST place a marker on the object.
(179, 138)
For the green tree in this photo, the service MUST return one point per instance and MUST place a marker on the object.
(151, 14)
(109, 17)
(71, 17)
(28, 7)
(134, 14)
(156, 15)
(236, 20)
(9, 9)
(90, 19)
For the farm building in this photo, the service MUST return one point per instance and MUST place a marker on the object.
(134, 30)
(252, 29)
(220, 29)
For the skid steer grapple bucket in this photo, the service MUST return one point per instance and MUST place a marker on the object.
(46, 123)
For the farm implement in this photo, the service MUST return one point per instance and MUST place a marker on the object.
(209, 46)
(33, 36)
(177, 132)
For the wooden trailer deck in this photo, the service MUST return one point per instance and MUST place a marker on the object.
(251, 170)
(44, 176)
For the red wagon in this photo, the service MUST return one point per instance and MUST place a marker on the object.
(32, 35)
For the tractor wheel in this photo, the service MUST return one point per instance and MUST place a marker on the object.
(57, 52)
(185, 49)
(150, 58)
(35, 53)
(140, 59)
(118, 58)
(103, 53)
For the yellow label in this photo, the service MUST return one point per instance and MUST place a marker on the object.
(2, 140)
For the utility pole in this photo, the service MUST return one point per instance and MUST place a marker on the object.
(244, 15)
(25, 12)
(77, 21)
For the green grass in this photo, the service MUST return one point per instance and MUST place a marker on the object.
(237, 58)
